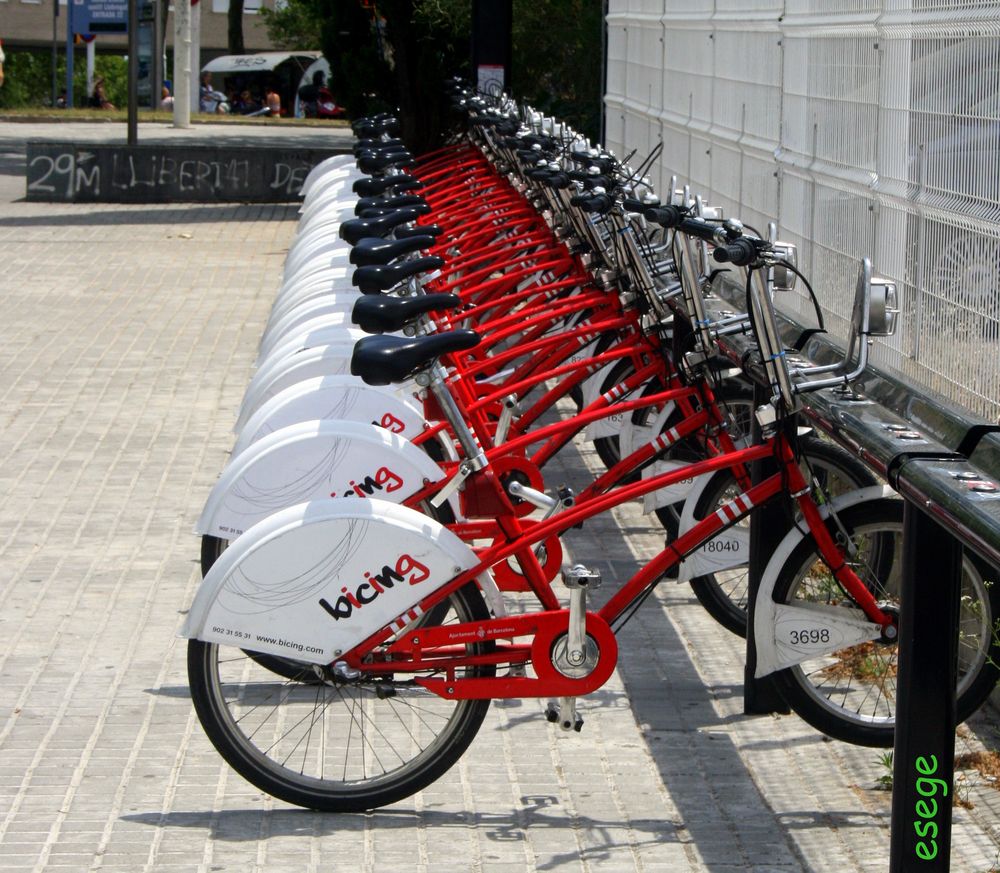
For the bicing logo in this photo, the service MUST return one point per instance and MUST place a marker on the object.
(406, 569)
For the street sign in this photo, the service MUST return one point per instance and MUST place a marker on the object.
(102, 16)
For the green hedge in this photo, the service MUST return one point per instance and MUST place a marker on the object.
(28, 77)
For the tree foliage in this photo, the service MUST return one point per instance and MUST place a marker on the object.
(400, 56)
(557, 59)
(28, 78)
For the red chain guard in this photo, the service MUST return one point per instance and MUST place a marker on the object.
(545, 628)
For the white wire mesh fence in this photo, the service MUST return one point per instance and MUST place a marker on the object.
(863, 127)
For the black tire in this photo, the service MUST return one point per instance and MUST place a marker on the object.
(211, 548)
(339, 745)
(724, 594)
(850, 695)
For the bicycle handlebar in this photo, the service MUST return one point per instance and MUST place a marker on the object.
(598, 203)
(667, 216)
(740, 253)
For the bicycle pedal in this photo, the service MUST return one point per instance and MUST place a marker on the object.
(579, 576)
(564, 714)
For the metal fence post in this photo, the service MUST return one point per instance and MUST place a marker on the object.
(923, 761)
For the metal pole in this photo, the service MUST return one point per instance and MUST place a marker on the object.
(55, 52)
(133, 72)
(492, 21)
(182, 63)
(69, 54)
(90, 65)
(924, 756)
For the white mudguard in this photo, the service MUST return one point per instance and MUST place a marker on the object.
(335, 303)
(326, 249)
(321, 261)
(725, 551)
(335, 166)
(310, 461)
(314, 580)
(787, 635)
(275, 375)
(343, 398)
(613, 423)
(319, 331)
(325, 282)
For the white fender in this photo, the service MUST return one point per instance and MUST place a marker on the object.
(327, 304)
(276, 375)
(332, 281)
(338, 180)
(335, 203)
(314, 580)
(613, 423)
(691, 568)
(592, 385)
(775, 624)
(313, 227)
(313, 460)
(330, 252)
(342, 398)
(320, 330)
(634, 436)
(323, 217)
(335, 165)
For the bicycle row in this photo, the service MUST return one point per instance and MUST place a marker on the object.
(382, 553)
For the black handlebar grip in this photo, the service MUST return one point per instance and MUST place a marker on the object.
(698, 228)
(633, 205)
(668, 216)
(740, 253)
(599, 203)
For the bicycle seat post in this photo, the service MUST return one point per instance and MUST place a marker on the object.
(436, 382)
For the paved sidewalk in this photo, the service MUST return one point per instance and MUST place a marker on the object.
(126, 341)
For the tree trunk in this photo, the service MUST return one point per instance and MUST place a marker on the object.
(236, 27)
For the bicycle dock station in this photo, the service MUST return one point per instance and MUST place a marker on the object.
(676, 790)
(849, 613)
(516, 416)
(943, 462)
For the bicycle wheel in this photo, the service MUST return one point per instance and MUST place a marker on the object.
(340, 744)
(724, 592)
(850, 694)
